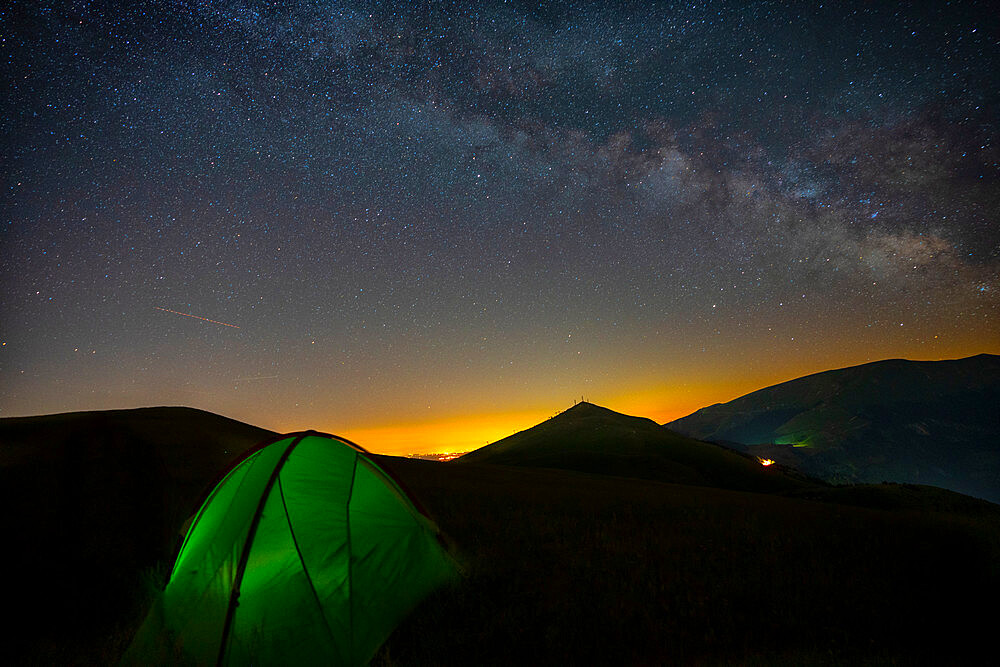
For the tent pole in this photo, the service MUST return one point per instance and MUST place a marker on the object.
(234, 594)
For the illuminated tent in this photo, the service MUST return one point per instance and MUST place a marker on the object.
(305, 553)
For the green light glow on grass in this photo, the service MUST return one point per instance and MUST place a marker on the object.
(794, 441)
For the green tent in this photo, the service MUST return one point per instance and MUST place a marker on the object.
(305, 553)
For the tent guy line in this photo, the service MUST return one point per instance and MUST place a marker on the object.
(197, 317)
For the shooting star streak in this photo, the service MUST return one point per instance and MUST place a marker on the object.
(197, 317)
(259, 377)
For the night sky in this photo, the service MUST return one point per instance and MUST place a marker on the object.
(427, 226)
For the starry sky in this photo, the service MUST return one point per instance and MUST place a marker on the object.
(429, 225)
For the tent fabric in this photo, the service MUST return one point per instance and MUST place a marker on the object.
(305, 553)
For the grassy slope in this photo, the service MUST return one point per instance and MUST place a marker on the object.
(562, 567)
(93, 500)
(764, 415)
(571, 568)
(590, 438)
(929, 422)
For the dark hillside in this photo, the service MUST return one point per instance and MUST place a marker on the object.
(590, 438)
(919, 422)
(95, 498)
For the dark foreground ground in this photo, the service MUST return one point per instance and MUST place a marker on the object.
(561, 567)
(567, 568)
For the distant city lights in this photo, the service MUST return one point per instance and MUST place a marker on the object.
(445, 456)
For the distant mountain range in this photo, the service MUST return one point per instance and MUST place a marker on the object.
(924, 422)
(593, 439)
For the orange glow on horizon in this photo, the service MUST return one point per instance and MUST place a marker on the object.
(683, 392)
(469, 432)
(457, 434)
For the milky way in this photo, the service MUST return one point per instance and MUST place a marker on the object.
(409, 214)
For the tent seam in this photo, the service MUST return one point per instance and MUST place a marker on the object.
(302, 560)
(350, 557)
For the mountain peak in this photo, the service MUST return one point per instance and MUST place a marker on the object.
(591, 412)
(593, 439)
(584, 407)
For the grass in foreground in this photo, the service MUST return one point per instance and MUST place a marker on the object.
(567, 568)
(562, 568)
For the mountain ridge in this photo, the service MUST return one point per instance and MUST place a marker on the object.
(595, 439)
(926, 422)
